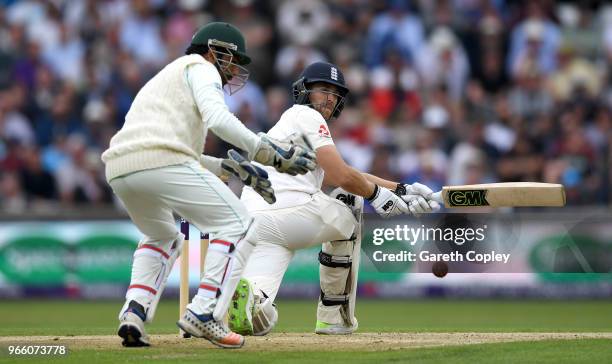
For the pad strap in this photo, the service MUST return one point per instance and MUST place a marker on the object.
(334, 299)
(222, 246)
(335, 261)
(208, 290)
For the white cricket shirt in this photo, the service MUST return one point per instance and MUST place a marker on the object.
(293, 190)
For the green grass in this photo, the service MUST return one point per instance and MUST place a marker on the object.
(87, 318)
(553, 351)
(97, 318)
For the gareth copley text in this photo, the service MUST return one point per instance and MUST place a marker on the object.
(427, 256)
(412, 235)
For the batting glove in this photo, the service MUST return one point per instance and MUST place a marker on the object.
(418, 198)
(249, 174)
(386, 203)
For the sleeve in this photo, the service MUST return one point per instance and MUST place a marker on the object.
(212, 164)
(315, 128)
(208, 94)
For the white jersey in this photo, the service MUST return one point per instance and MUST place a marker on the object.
(298, 119)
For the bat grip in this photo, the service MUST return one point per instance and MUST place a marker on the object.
(437, 196)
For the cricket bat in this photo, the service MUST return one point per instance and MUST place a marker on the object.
(510, 194)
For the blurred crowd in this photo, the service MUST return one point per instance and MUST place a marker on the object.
(442, 92)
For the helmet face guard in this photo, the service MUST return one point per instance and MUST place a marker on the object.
(326, 73)
(224, 55)
(302, 91)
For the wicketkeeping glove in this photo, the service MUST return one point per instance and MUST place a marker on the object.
(249, 174)
(293, 157)
(418, 197)
(387, 204)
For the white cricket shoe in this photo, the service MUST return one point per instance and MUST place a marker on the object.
(206, 327)
(131, 327)
(323, 328)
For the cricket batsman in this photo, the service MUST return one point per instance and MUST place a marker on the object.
(304, 216)
(155, 165)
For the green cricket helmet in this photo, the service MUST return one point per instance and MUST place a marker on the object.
(229, 47)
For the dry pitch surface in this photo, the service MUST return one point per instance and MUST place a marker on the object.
(311, 342)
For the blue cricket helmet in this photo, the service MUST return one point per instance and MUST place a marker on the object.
(320, 72)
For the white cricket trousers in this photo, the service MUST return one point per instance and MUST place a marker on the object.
(280, 232)
(151, 196)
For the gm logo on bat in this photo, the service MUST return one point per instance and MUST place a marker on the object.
(468, 198)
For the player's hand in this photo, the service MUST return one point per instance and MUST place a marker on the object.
(293, 157)
(249, 174)
(387, 203)
(418, 197)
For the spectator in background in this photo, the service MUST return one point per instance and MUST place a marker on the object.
(181, 25)
(443, 62)
(66, 58)
(41, 21)
(488, 54)
(12, 197)
(468, 159)
(579, 28)
(599, 133)
(249, 15)
(427, 162)
(382, 96)
(349, 21)
(574, 166)
(61, 120)
(127, 79)
(277, 101)
(574, 75)
(14, 125)
(141, 36)
(291, 59)
(395, 28)
(303, 22)
(249, 105)
(78, 177)
(535, 40)
(38, 184)
(27, 64)
(501, 127)
(522, 163)
(529, 97)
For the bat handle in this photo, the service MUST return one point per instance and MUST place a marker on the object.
(437, 196)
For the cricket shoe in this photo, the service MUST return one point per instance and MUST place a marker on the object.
(323, 328)
(131, 327)
(205, 326)
(240, 314)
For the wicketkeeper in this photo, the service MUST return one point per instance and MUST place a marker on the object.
(304, 216)
(155, 166)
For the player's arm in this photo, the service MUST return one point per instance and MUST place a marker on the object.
(380, 181)
(338, 173)
(207, 92)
